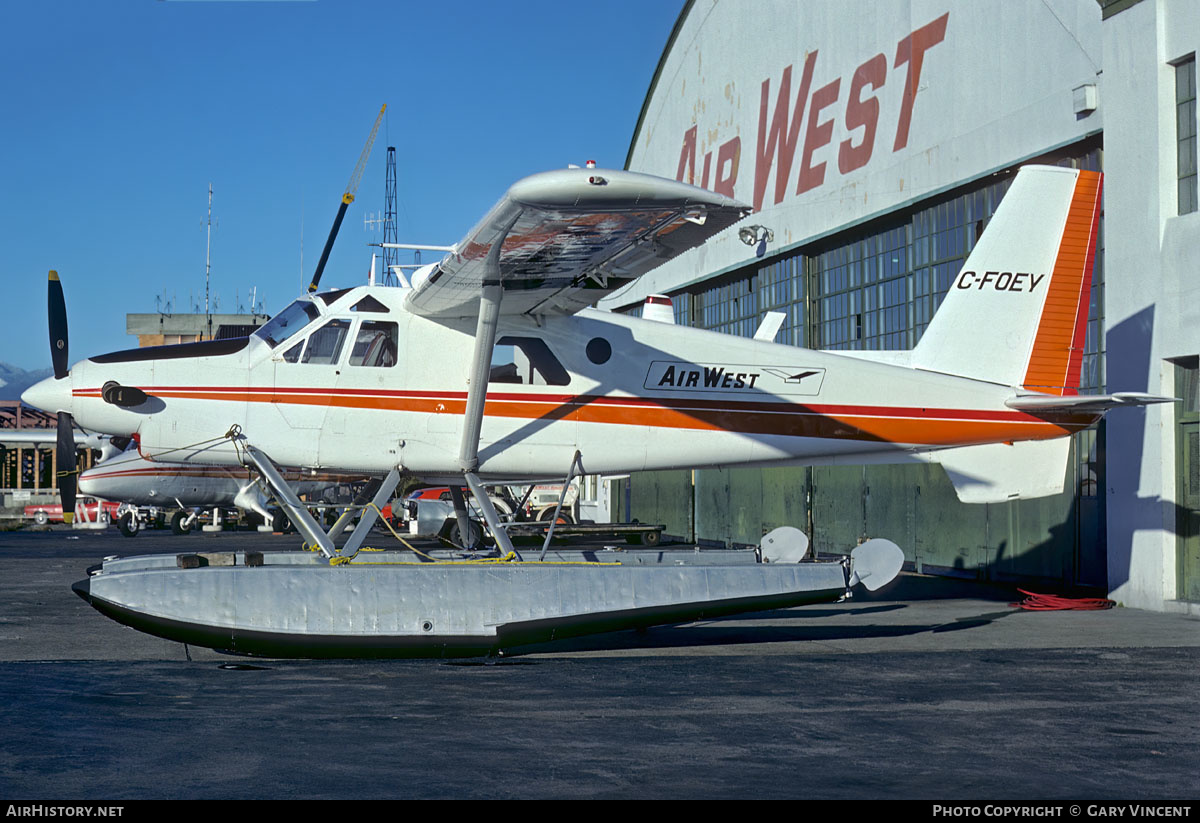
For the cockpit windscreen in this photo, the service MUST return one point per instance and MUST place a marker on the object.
(289, 321)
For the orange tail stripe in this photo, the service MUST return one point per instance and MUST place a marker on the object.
(1057, 356)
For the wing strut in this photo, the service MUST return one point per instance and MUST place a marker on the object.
(481, 364)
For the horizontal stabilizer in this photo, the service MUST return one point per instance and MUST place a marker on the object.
(1083, 402)
(998, 472)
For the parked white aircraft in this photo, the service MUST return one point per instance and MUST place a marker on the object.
(377, 380)
(132, 479)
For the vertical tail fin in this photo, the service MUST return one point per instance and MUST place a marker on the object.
(1017, 312)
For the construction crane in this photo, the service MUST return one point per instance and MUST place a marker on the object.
(347, 199)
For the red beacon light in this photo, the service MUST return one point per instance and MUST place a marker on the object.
(595, 179)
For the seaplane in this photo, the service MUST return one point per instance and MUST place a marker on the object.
(385, 380)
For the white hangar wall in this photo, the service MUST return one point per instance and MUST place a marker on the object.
(886, 104)
(1153, 304)
(836, 118)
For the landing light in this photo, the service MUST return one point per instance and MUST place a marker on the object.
(750, 235)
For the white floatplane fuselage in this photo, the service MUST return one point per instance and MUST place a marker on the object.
(660, 397)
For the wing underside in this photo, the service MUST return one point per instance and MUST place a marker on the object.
(559, 241)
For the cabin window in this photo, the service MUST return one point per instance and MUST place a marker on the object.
(598, 350)
(325, 344)
(331, 297)
(375, 345)
(370, 304)
(527, 361)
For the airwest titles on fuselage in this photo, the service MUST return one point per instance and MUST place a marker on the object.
(727, 377)
(708, 377)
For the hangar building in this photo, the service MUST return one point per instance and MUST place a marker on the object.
(874, 141)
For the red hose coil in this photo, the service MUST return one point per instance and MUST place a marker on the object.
(1051, 602)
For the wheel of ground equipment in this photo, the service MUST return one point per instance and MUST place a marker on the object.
(280, 522)
(179, 524)
(651, 538)
(41, 518)
(129, 525)
(564, 519)
(502, 507)
(474, 533)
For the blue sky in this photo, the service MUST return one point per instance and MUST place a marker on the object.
(118, 115)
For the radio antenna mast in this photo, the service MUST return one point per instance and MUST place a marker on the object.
(208, 266)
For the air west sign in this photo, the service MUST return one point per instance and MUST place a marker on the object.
(796, 124)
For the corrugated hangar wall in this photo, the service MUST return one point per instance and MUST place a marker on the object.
(873, 140)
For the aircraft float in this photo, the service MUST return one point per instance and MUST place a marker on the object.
(384, 380)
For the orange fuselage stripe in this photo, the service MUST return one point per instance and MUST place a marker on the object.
(933, 427)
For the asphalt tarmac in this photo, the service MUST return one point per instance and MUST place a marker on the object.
(931, 689)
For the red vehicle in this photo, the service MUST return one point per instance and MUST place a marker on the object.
(43, 513)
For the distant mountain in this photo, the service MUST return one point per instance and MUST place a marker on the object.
(13, 380)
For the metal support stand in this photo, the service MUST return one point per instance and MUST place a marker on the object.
(215, 525)
(368, 492)
(463, 515)
(576, 460)
(503, 541)
(304, 521)
(367, 520)
(299, 515)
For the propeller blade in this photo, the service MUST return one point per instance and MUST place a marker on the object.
(67, 475)
(56, 308)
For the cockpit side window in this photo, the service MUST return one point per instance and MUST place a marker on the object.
(325, 344)
(288, 322)
(375, 344)
(292, 355)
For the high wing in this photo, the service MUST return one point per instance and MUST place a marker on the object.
(559, 241)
